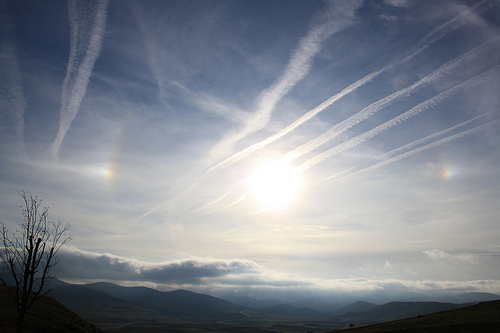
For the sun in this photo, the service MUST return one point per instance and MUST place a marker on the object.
(274, 185)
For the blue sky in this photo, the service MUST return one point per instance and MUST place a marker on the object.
(259, 146)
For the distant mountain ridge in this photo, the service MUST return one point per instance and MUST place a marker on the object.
(469, 298)
(178, 302)
(182, 304)
(358, 306)
(396, 310)
(113, 307)
(188, 312)
(336, 306)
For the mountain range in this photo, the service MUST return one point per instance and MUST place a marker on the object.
(124, 309)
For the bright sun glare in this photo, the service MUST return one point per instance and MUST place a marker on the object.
(274, 185)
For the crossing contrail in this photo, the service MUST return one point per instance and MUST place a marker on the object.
(378, 105)
(415, 150)
(474, 81)
(419, 142)
(87, 24)
(435, 35)
(307, 116)
(339, 17)
(431, 145)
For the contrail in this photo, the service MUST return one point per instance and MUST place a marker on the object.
(229, 205)
(432, 37)
(148, 212)
(227, 232)
(416, 150)
(474, 81)
(85, 44)
(440, 32)
(430, 137)
(378, 105)
(307, 116)
(431, 145)
(339, 17)
(152, 51)
(12, 93)
(213, 202)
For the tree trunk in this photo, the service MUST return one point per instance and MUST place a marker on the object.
(20, 320)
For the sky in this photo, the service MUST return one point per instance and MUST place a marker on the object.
(259, 147)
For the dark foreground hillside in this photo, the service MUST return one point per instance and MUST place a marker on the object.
(46, 315)
(482, 317)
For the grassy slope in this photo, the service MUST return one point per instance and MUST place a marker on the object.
(46, 315)
(483, 317)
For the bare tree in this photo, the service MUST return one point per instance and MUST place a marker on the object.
(29, 253)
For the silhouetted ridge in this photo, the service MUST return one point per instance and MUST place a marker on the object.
(397, 310)
(179, 303)
(358, 306)
(480, 318)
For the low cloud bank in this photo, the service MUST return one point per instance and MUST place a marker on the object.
(78, 264)
(217, 276)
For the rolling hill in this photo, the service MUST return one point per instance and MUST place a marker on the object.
(355, 307)
(182, 304)
(104, 310)
(115, 308)
(469, 297)
(110, 306)
(479, 318)
(394, 311)
(46, 315)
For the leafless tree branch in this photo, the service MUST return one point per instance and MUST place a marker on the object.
(30, 252)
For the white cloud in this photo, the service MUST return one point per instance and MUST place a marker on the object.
(225, 275)
(432, 37)
(12, 93)
(442, 255)
(86, 39)
(78, 264)
(398, 3)
(339, 16)
(166, 89)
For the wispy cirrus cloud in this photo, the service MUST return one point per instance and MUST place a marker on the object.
(87, 23)
(12, 93)
(465, 16)
(405, 148)
(474, 81)
(418, 150)
(173, 88)
(338, 16)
